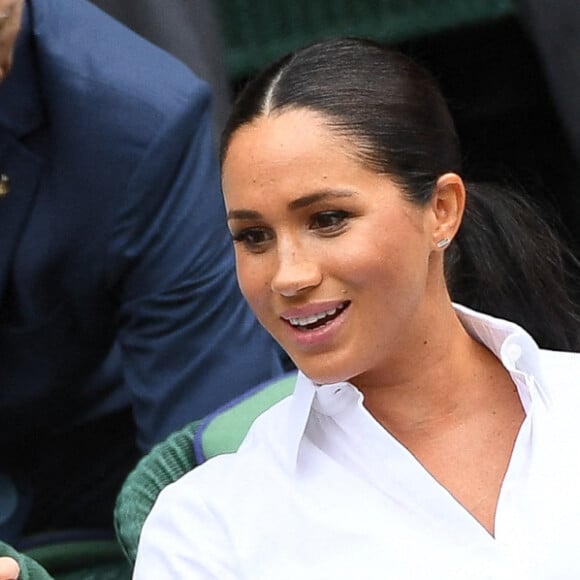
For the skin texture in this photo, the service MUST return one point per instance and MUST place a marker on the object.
(9, 569)
(363, 245)
(315, 231)
(10, 21)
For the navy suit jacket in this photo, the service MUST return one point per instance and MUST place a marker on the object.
(117, 279)
(189, 30)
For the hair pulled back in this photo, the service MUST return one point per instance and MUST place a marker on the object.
(505, 260)
(388, 106)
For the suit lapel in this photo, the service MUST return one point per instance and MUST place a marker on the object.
(22, 168)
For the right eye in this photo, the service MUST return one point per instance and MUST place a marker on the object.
(253, 239)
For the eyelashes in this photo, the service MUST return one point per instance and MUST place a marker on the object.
(253, 236)
(328, 223)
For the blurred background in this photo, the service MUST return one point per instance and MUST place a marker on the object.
(486, 55)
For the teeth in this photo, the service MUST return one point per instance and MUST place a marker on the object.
(314, 318)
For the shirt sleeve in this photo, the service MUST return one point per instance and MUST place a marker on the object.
(189, 341)
(181, 538)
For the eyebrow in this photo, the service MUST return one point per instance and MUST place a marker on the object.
(301, 202)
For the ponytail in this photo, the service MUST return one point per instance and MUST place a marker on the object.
(507, 261)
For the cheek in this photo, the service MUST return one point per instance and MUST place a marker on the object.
(364, 262)
(385, 272)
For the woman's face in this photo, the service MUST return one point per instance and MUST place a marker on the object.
(334, 261)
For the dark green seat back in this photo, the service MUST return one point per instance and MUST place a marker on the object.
(259, 31)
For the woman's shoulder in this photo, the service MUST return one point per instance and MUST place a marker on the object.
(561, 376)
(208, 500)
(561, 362)
(264, 443)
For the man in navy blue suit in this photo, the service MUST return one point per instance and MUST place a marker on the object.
(189, 30)
(120, 315)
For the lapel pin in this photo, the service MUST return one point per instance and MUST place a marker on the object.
(4, 184)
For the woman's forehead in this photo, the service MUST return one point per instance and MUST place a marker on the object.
(294, 156)
(281, 137)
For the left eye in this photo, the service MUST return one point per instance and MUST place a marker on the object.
(329, 221)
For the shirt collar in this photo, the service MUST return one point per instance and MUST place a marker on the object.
(20, 103)
(512, 345)
(300, 406)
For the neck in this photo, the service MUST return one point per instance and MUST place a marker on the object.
(445, 376)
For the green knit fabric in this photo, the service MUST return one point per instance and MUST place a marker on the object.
(164, 464)
(29, 569)
(171, 459)
(80, 560)
(83, 560)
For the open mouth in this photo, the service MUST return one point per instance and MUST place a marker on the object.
(319, 319)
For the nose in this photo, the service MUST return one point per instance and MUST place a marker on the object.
(295, 273)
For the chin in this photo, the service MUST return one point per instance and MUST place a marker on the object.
(325, 368)
(324, 376)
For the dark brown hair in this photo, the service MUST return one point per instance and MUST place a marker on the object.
(506, 260)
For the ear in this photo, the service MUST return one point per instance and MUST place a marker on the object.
(447, 205)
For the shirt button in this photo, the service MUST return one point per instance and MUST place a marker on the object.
(514, 352)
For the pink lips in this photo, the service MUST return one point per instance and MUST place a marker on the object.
(321, 335)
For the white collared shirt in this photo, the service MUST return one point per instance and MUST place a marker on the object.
(320, 491)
